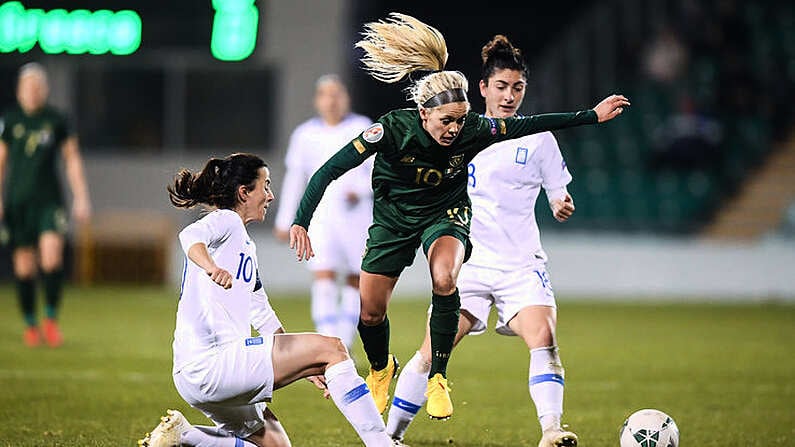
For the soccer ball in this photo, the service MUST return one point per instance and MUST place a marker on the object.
(649, 428)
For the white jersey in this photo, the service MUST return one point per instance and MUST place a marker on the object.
(209, 316)
(504, 183)
(312, 143)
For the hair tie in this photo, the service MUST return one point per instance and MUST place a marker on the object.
(446, 97)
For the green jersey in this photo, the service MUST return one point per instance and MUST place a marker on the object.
(414, 178)
(33, 147)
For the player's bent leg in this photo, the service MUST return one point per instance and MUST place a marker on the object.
(302, 355)
(445, 257)
(296, 356)
(536, 326)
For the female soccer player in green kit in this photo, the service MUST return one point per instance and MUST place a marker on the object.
(420, 189)
(33, 135)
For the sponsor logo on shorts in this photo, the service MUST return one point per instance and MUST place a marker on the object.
(374, 133)
(254, 341)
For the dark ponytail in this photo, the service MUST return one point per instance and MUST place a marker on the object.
(216, 185)
(500, 54)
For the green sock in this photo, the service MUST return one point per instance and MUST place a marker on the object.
(53, 286)
(375, 340)
(444, 325)
(26, 294)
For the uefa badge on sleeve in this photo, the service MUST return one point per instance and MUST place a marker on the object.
(374, 133)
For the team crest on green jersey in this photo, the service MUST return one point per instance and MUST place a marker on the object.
(456, 160)
(19, 131)
(408, 159)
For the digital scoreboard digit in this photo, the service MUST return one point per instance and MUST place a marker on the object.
(233, 37)
(73, 32)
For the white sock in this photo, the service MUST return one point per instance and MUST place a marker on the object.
(409, 396)
(348, 316)
(204, 436)
(324, 306)
(546, 386)
(353, 399)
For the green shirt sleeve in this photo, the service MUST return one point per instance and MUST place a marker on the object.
(350, 156)
(498, 129)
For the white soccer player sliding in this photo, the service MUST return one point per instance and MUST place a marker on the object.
(219, 368)
(507, 268)
(339, 225)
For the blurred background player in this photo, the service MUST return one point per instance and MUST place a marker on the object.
(419, 178)
(34, 134)
(219, 368)
(339, 226)
(507, 269)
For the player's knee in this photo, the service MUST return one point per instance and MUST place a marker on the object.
(371, 317)
(335, 350)
(444, 284)
(50, 265)
(24, 270)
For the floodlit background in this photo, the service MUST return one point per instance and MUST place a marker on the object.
(689, 193)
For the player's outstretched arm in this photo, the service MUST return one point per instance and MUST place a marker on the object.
(611, 107)
(299, 240)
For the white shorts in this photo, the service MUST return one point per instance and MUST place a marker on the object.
(508, 291)
(339, 246)
(232, 386)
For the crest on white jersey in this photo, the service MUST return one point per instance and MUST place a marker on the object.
(374, 133)
(521, 155)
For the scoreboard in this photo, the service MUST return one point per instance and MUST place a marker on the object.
(233, 34)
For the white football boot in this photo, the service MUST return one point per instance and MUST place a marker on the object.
(168, 432)
(558, 438)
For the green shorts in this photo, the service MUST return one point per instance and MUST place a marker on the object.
(26, 222)
(391, 250)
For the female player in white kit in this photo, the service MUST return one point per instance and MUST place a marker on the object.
(507, 268)
(219, 367)
(339, 226)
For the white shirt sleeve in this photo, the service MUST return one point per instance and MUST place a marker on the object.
(556, 194)
(554, 172)
(293, 185)
(211, 230)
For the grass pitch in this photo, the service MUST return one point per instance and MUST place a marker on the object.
(725, 373)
